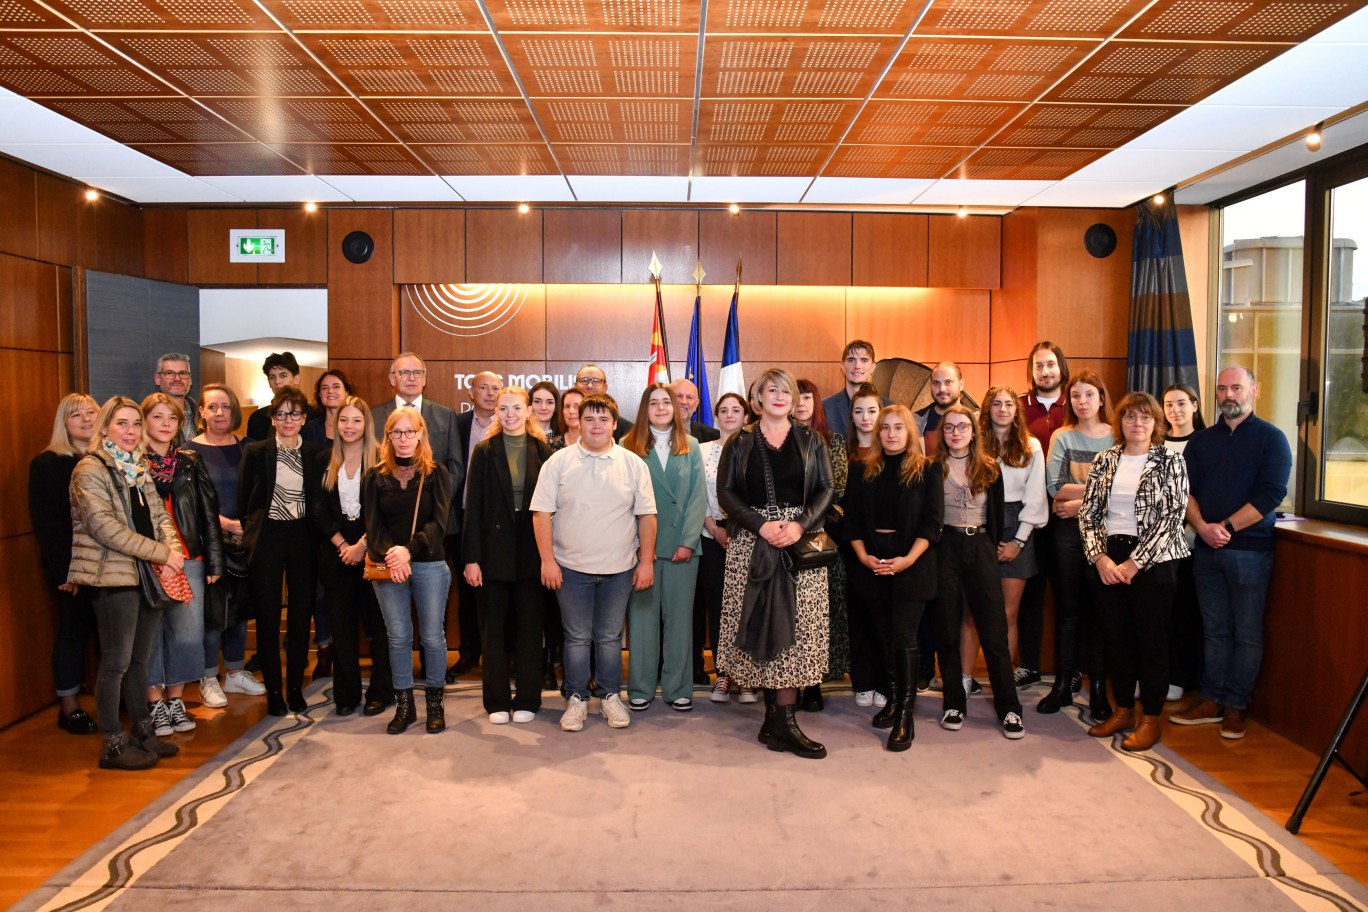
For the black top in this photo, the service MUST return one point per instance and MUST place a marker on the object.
(142, 515)
(786, 463)
(497, 536)
(49, 496)
(703, 432)
(388, 509)
(222, 464)
(734, 491)
(916, 513)
(884, 495)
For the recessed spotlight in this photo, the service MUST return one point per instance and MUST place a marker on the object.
(1313, 139)
(92, 195)
(961, 212)
(524, 208)
(1158, 199)
(310, 207)
(734, 209)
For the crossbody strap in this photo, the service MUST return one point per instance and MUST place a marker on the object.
(416, 504)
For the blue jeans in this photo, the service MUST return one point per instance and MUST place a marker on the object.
(427, 591)
(593, 607)
(178, 651)
(1232, 590)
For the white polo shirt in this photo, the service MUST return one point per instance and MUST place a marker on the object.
(596, 499)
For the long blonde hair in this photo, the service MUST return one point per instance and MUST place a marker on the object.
(61, 442)
(531, 427)
(914, 459)
(370, 451)
(422, 456)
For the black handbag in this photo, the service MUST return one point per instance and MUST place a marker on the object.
(814, 549)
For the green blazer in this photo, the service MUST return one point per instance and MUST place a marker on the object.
(681, 500)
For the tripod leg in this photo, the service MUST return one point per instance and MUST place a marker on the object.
(1294, 822)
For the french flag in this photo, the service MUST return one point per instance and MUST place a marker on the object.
(732, 379)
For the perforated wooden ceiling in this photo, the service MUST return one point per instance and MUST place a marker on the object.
(992, 89)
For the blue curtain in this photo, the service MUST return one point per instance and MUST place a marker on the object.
(1161, 349)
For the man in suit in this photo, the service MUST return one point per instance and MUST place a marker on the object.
(473, 425)
(687, 395)
(591, 379)
(857, 366)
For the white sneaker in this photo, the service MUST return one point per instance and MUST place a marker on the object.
(612, 709)
(864, 698)
(161, 719)
(721, 690)
(242, 682)
(180, 719)
(524, 715)
(1175, 692)
(748, 695)
(211, 695)
(575, 711)
(499, 718)
(880, 700)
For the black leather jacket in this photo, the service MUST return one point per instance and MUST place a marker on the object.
(196, 511)
(819, 490)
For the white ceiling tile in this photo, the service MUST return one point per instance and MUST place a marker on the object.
(370, 188)
(86, 160)
(725, 189)
(981, 192)
(1230, 128)
(27, 121)
(1353, 27)
(1163, 165)
(865, 190)
(1104, 194)
(279, 189)
(511, 188)
(163, 189)
(595, 188)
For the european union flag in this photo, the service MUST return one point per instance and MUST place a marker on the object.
(696, 371)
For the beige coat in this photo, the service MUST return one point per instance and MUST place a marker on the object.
(103, 546)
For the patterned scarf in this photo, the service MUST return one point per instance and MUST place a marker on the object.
(163, 468)
(133, 468)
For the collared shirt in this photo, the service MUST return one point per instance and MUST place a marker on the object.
(349, 492)
(1043, 421)
(478, 432)
(596, 499)
(400, 402)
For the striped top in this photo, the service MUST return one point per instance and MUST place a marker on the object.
(287, 499)
(1071, 456)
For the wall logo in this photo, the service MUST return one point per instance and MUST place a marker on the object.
(466, 310)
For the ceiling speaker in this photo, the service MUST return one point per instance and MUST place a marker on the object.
(1100, 240)
(358, 247)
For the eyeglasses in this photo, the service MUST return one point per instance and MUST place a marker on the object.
(957, 428)
(590, 381)
(176, 375)
(403, 434)
(410, 374)
(288, 416)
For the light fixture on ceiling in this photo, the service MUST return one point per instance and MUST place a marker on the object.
(1158, 199)
(524, 208)
(734, 209)
(311, 207)
(962, 212)
(92, 195)
(1313, 139)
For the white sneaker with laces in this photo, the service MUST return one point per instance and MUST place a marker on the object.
(864, 698)
(748, 695)
(211, 695)
(612, 709)
(721, 690)
(880, 701)
(242, 682)
(180, 719)
(1012, 727)
(953, 720)
(161, 719)
(523, 715)
(499, 718)
(575, 713)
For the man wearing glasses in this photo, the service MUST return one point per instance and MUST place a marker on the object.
(592, 379)
(173, 377)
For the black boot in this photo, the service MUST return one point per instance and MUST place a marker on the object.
(812, 699)
(122, 754)
(904, 700)
(1098, 704)
(375, 705)
(404, 713)
(145, 737)
(294, 699)
(771, 710)
(1066, 661)
(436, 713)
(785, 735)
(275, 703)
(323, 666)
(884, 717)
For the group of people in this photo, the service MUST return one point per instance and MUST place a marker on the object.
(801, 539)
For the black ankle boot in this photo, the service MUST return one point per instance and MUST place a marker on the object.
(771, 710)
(294, 699)
(404, 713)
(1098, 704)
(1060, 696)
(436, 712)
(904, 701)
(884, 717)
(145, 737)
(275, 703)
(122, 754)
(812, 699)
(785, 735)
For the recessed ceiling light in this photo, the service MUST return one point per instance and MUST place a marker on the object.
(1158, 199)
(1313, 139)
(734, 209)
(524, 208)
(310, 207)
(962, 212)
(92, 195)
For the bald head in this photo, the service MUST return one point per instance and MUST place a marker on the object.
(1236, 391)
(687, 394)
(484, 393)
(592, 379)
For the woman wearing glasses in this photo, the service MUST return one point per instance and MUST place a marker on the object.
(276, 486)
(406, 502)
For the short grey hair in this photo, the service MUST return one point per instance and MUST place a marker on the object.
(172, 356)
(413, 355)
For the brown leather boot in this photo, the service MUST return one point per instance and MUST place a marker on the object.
(1119, 721)
(1145, 736)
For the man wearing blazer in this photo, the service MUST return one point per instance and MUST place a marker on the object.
(472, 426)
(687, 394)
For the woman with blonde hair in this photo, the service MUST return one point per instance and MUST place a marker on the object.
(499, 550)
(406, 502)
(118, 520)
(341, 560)
(49, 496)
(893, 514)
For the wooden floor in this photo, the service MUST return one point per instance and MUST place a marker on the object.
(56, 803)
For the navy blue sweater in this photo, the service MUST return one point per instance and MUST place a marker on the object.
(1228, 469)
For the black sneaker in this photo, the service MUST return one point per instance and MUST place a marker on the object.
(1025, 677)
(1076, 682)
(953, 720)
(1012, 727)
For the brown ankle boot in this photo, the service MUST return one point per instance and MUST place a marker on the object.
(1145, 736)
(1119, 721)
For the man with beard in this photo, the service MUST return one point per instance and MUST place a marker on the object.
(857, 366)
(1238, 471)
(173, 378)
(947, 384)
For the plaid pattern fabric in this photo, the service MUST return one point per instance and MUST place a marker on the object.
(1160, 505)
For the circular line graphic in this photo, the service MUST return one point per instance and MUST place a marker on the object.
(467, 310)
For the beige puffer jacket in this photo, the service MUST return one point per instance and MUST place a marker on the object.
(103, 546)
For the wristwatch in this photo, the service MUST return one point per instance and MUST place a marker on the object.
(1019, 543)
(1228, 527)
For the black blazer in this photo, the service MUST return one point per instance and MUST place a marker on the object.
(448, 446)
(326, 513)
(703, 432)
(195, 506)
(256, 484)
(920, 507)
(464, 422)
(819, 488)
(49, 496)
(495, 536)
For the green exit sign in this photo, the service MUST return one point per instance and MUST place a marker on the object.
(256, 245)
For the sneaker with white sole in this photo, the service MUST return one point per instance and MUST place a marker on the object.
(971, 686)
(211, 695)
(612, 709)
(523, 716)
(748, 695)
(499, 718)
(864, 698)
(1025, 677)
(1175, 693)
(242, 682)
(953, 720)
(880, 701)
(180, 719)
(721, 690)
(161, 719)
(575, 712)
(1012, 727)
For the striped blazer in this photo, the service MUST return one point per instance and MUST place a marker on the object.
(1160, 505)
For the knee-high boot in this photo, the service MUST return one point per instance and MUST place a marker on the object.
(1066, 663)
(904, 700)
(884, 717)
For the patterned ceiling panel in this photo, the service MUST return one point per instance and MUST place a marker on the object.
(431, 65)
(889, 18)
(162, 15)
(567, 66)
(647, 160)
(378, 15)
(70, 64)
(489, 158)
(1155, 72)
(335, 158)
(1096, 19)
(1025, 164)
(747, 66)
(627, 17)
(204, 159)
(1289, 21)
(988, 69)
(742, 159)
(241, 64)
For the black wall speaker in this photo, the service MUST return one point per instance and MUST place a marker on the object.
(358, 247)
(1100, 240)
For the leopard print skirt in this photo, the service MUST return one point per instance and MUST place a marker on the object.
(800, 665)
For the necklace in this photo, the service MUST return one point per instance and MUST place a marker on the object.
(953, 456)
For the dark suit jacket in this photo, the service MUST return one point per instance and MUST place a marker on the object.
(623, 426)
(448, 446)
(920, 508)
(256, 483)
(464, 422)
(703, 432)
(497, 537)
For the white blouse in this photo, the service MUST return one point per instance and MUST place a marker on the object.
(712, 458)
(1027, 487)
(349, 493)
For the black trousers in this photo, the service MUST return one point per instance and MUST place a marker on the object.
(75, 629)
(1186, 658)
(1134, 622)
(1031, 613)
(498, 601)
(869, 668)
(712, 565)
(969, 573)
(285, 550)
(895, 616)
(351, 603)
(1079, 644)
(467, 606)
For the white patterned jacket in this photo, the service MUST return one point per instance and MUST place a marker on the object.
(1160, 505)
